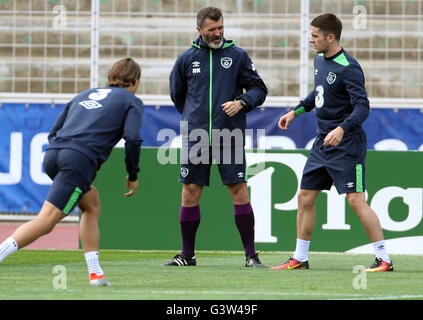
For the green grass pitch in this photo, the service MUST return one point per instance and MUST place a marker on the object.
(219, 275)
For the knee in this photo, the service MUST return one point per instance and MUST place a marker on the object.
(240, 197)
(95, 209)
(239, 193)
(47, 218)
(190, 196)
(353, 202)
(92, 209)
(45, 224)
(305, 199)
(356, 201)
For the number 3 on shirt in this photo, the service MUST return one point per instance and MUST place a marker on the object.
(319, 100)
(100, 94)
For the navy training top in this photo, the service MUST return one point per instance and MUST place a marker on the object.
(339, 96)
(202, 79)
(95, 120)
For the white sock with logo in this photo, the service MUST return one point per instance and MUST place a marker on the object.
(93, 263)
(380, 250)
(301, 250)
(7, 247)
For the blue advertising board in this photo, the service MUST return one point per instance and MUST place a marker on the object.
(24, 129)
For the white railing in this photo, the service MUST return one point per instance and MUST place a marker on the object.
(163, 100)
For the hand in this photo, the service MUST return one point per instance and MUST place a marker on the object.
(94, 190)
(286, 120)
(133, 185)
(334, 137)
(231, 108)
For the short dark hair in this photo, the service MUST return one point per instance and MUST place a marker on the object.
(328, 23)
(124, 73)
(209, 12)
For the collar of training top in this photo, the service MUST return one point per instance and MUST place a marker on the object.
(199, 43)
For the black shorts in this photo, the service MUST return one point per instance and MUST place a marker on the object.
(343, 165)
(229, 160)
(72, 174)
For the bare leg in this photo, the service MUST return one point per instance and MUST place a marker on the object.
(371, 224)
(306, 216)
(88, 226)
(30, 231)
(367, 216)
(90, 236)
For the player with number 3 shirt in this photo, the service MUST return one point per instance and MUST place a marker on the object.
(81, 139)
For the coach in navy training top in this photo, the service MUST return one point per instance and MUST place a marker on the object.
(338, 154)
(203, 79)
(213, 84)
(80, 140)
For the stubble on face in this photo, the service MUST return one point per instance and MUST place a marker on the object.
(318, 40)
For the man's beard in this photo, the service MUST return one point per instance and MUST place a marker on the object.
(213, 45)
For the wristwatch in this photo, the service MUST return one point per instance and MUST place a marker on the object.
(244, 104)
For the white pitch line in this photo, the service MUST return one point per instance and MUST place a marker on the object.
(410, 296)
(256, 293)
(336, 296)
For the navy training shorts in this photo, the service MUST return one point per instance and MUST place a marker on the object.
(72, 174)
(229, 160)
(343, 165)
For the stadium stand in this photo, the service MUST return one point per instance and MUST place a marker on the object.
(45, 44)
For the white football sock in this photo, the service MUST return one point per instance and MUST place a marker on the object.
(7, 247)
(301, 251)
(93, 263)
(380, 250)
